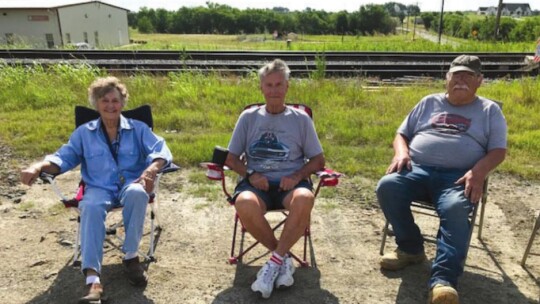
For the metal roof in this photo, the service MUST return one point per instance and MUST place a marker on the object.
(47, 4)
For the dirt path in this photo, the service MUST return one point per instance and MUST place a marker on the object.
(194, 244)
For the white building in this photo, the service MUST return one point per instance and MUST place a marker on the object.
(508, 9)
(53, 23)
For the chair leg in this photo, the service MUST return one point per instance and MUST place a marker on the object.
(481, 222)
(472, 222)
(531, 239)
(75, 259)
(385, 234)
(232, 258)
(151, 257)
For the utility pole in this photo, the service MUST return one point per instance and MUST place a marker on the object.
(498, 20)
(441, 21)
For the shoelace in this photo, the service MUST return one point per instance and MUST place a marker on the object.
(269, 273)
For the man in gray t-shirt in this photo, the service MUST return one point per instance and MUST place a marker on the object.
(444, 150)
(282, 150)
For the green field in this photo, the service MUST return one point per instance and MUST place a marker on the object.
(195, 112)
(401, 42)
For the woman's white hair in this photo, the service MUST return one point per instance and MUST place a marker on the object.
(277, 65)
(103, 86)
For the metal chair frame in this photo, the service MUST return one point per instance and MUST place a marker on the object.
(427, 208)
(83, 115)
(327, 178)
(535, 229)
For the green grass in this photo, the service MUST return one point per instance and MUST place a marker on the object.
(195, 112)
(401, 42)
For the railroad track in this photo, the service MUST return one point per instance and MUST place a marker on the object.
(383, 65)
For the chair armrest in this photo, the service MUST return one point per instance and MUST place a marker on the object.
(213, 171)
(47, 178)
(172, 167)
(328, 177)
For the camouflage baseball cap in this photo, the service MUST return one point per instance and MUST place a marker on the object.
(466, 63)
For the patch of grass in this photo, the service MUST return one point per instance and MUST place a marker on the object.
(196, 112)
(401, 42)
(26, 206)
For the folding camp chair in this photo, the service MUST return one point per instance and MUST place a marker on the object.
(83, 115)
(427, 208)
(422, 206)
(216, 171)
(535, 229)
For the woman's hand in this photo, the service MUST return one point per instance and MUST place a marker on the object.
(148, 178)
(30, 174)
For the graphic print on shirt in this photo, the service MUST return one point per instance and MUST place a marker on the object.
(450, 123)
(268, 149)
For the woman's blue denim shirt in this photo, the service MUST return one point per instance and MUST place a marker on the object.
(87, 146)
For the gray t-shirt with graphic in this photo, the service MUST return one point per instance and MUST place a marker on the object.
(275, 145)
(441, 134)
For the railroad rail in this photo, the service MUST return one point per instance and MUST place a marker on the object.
(384, 65)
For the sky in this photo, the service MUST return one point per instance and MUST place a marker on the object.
(327, 5)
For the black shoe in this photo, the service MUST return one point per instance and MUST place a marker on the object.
(135, 272)
(94, 296)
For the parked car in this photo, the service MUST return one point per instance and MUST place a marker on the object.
(80, 46)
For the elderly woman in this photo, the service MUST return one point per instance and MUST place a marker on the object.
(119, 160)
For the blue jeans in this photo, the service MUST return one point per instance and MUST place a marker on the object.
(94, 206)
(396, 191)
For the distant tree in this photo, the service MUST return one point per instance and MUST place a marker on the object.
(162, 21)
(145, 25)
(375, 19)
(132, 19)
(395, 9)
(413, 10)
(427, 19)
(342, 22)
(280, 9)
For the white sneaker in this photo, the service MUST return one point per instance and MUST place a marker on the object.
(286, 271)
(265, 279)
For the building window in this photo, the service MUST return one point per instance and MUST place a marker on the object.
(50, 40)
(96, 38)
(68, 38)
(10, 39)
(85, 35)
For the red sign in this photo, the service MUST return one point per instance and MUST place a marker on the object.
(38, 18)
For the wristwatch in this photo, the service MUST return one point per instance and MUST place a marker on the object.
(249, 172)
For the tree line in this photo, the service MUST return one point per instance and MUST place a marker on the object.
(367, 20)
(462, 26)
(223, 19)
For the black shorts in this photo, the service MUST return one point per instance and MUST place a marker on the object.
(273, 198)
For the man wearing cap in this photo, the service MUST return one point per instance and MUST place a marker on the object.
(443, 151)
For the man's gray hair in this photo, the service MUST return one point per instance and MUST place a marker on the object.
(277, 65)
(103, 86)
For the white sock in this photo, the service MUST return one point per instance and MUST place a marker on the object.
(276, 259)
(131, 255)
(91, 279)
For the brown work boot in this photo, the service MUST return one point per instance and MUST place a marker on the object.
(398, 259)
(443, 294)
(135, 272)
(94, 296)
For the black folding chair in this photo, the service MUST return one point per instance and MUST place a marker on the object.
(82, 116)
